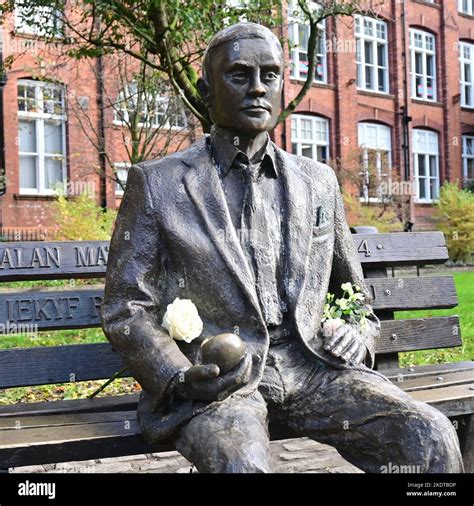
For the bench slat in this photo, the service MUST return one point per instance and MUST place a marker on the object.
(436, 381)
(59, 420)
(84, 259)
(420, 371)
(52, 260)
(399, 294)
(32, 310)
(419, 334)
(125, 402)
(75, 442)
(56, 364)
(456, 400)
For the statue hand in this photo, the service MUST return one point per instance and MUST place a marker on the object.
(203, 383)
(347, 343)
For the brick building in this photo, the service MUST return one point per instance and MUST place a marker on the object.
(392, 102)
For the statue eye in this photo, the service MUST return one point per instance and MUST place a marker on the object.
(270, 76)
(238, 76)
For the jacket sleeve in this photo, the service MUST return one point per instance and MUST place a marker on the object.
(346, 267)
(131, 303)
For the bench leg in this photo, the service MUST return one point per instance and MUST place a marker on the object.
(466, 440)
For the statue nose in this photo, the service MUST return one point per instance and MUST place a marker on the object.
(257, 88)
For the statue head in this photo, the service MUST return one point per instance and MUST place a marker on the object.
(242, 78)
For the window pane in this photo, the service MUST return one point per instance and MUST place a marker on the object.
(433, 166)
(53, 172)
(470, 169)
(53, 139)
(421, 188)
(369, 77)
(28, 172)
(27, 131)
(307, 150)
(369, 57)
(421, 165)
(322, 153)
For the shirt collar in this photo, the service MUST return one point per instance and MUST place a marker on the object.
(224, 151)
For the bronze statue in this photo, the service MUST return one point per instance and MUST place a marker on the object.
(255, 238)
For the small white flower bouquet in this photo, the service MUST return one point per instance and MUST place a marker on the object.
(348, 309)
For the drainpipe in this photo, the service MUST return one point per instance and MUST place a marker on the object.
(3, 82)
(406, 119)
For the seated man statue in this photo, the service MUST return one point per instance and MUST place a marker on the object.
(255, 238)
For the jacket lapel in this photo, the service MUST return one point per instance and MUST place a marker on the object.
(204, 187)
(299, 227)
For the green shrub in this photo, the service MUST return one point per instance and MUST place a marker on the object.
(455, 211)
(81, 219)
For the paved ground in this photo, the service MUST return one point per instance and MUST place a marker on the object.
(290, 455)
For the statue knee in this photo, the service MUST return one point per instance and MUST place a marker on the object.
(431, 442)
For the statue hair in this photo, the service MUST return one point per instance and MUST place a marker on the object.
(239, 31)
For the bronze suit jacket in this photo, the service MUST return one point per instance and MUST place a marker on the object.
(174, 238)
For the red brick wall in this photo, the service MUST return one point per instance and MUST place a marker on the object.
(339, 101)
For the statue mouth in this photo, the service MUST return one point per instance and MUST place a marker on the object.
(257, 108)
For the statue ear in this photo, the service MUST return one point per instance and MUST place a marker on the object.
(204, 90)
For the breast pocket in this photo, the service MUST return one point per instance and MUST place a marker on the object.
(322, 230)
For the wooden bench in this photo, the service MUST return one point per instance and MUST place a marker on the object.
(61, 431)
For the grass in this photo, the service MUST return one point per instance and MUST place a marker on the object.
(465, 310)
(464, 285)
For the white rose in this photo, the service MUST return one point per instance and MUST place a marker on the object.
(330, 326)
(182, 320)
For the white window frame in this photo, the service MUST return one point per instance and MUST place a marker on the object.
(467, 156)
(121, 168)
(467, 82)
(40, 118)
(122, 117)
(466, 7)
(295, 20)
(43, 15)
(425, 52)
(382, 144)
(313, 143)
(425, 150)
(367, 31)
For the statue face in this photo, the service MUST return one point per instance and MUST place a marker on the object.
(246, 85)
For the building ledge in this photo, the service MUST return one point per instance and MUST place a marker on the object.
(376, 94)
(313, 84)
(33, 196)
(427, 102)
(464, 15)
(467, 109)
(429, 4)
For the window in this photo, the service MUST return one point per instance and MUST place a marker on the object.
(371, 54)
(38, 19)
(466, 7)
(376, 145)
(121, 173)
(310, 137)
(423, 63)
(154, 110)
(468, 157)
(466, 56)
(42, 146)
(425, 151)
(299, 35)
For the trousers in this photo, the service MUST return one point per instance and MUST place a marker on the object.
(370, 421)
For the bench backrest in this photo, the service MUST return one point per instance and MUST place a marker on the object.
(38, 309)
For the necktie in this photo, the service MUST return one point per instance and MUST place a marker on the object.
(254, 223)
